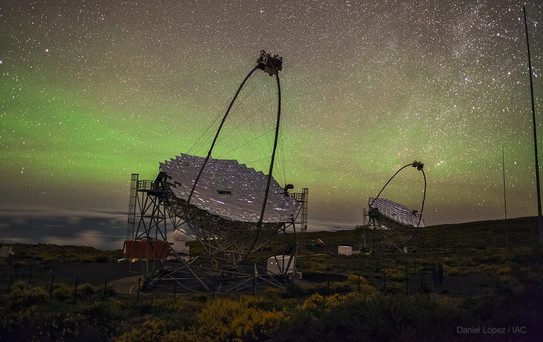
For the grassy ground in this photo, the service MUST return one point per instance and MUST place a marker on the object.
(474, 281)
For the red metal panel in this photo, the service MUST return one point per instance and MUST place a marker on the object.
(146, 249)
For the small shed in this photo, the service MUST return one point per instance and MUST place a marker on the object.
(5, 252)
(281, 262)
(344, 250)
(146, 249)
(180, 241)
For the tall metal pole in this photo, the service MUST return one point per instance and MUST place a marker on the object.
(539, 217)
(504, 192)
(505, 202)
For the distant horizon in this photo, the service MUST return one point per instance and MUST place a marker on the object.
(107, 230)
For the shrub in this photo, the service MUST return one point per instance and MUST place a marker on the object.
(63, 292)
(504, 269)
(86, 290)
(317, 264)
(397, 273)
(22, 310)
(179, 312)
(221, 319)
(382, 318)
(23, 295)
(360, 285)
(317, 303)
(151, 330)
(225, 319)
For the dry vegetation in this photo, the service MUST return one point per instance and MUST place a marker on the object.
(464, 282)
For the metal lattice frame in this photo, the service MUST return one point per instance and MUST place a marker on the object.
(226, 242)
(302, 198)
(402, 237)
(158, 211)
(148, 221)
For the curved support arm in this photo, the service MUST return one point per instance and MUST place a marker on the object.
(217, 134)
(423, 198)
(272, 65)
(261, 219)
(273, 152)
(275, 67)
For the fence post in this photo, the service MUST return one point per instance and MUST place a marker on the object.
(213, 294)
(406, 279)
(51, 288)
(75, 288)
(328, 275)
(175, 290)
(139, 285)
(254, 282)
(434, 274)
(385, 280)
(422, 277)
(440, 273)
(105, 288)
(358, 291)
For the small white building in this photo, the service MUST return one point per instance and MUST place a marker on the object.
(5, 252)
(344, 250)
(180, 241)
(281, 262)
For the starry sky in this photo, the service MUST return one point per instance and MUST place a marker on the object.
(92, 91)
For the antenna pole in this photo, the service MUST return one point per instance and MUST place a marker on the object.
(504, 193)
(539, 217)
(504, 200)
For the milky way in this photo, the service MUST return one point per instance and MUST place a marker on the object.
(94, 91)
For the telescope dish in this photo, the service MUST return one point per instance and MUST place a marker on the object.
(228, 190)
(395, 213)
(397, 224)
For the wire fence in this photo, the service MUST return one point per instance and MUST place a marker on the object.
(388, 276)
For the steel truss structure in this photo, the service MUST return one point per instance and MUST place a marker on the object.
(154, 212)
(302, 198)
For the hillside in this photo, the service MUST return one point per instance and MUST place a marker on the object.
(476, 281)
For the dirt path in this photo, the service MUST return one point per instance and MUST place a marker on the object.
(126, 285)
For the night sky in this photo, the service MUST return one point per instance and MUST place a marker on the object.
(92, 91)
